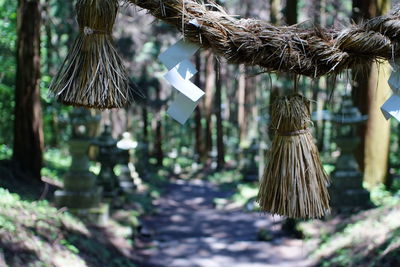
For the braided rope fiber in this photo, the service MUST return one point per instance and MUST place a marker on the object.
(312, 52)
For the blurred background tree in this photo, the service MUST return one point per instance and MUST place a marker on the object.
(226, 140)
(231, 115)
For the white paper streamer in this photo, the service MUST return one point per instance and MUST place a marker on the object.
(176, 59)
(177, 53)
(186, 87)
(391, 108)
(181, 108)
(195, 23)
(186, 69)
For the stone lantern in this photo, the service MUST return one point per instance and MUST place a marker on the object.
(125, 148)
(80, 192)
(107, 157)
(346, 190)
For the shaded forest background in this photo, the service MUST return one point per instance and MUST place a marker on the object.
(226, 139)
(232, 116)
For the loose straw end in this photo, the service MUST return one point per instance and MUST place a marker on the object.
(294, 183)
(93, 74)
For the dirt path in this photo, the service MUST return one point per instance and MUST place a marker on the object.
(189, 231)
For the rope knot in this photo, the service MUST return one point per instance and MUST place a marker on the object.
(88, 31)
(294, 133)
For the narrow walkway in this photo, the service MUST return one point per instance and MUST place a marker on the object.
(189, 231)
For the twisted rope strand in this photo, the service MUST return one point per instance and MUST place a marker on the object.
(311, 52)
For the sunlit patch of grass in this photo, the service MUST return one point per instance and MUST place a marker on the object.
(35, 227)
(56, 163)
(33, 233)
(5, 152)
(226, 177)
(245, 194)
(370, 237)
(329, 168)
(382, 197)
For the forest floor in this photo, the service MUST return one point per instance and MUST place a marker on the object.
(188, 229)
(186, 221)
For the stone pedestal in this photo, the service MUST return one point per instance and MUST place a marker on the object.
(347, 190)
(107, 157)
(80, 191)
(128, 174)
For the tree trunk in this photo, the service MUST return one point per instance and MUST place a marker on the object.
(199, 142)
(274, 11)
(316, 11)
(145, 119)
(318, 93)
(246, 92)
(291, 12)
(218, 115)
(370, 91)
(208, 101)
(251, 106)
(158, 151)
(242, 104)
(275, 90)
(28, 125)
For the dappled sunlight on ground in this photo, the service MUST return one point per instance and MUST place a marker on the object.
(189, 231)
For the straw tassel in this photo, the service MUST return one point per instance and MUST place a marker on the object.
(93, 74)
(294, 183)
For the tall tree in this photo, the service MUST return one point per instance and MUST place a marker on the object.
(291, 12)
(370, 90)
(274, 11)
(275, 90)
(245, 90)
(28, 125)
(209, 99)
(199, 141)
(241, 91)
(157, 128)
(218, 115)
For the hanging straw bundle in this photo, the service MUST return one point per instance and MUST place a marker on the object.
(93, 74)
(294, 183)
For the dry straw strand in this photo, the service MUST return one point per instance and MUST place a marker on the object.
(312, 52)
(93, 74)
(294, 183)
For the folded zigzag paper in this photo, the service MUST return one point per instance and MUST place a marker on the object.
(391, 108)
(180, 71)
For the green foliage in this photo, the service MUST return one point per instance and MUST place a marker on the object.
(6, 223)
(329, 168)
(34, 232)
(380, 196)
(5, 152)
(8, 39)
(57, 163)
(69, 246)
(226, 177)
(264, 235)
(246, 194)
(345, 241)
(55, 132)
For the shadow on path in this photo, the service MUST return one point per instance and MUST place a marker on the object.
(188, 231)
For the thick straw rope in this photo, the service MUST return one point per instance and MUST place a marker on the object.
(311, 52)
